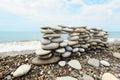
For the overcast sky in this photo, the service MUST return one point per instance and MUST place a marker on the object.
(31, 14)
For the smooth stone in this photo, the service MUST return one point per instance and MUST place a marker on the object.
(72, 42)
(42, 52)
(75, 34)
(116, 54)
(47, 56)
(87, 77)
(62, 63)
(81, 49)
(74, 38)
(67, 29)
(45, 27)
(66, 78)
(57, 40)
(56, 27)
(75, 64)
(51, 35)
(75, 50)
(61, 50)
(84, 46)
(21, 70)
(38, 61)
(66, 54)
(45, 41)
(93, 62)
(47, 31)
(105, 63)
(63, 44)
(80, 30)
(76, 46)
(68, 48)
(50, 46)
(108, 76)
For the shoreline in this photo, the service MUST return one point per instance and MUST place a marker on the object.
(12, 48)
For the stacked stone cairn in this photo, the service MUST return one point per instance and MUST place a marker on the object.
(80, 40)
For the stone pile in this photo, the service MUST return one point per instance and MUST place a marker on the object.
(80, 40)
(98, 41)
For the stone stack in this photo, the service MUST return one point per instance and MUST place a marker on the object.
(49, 44)
(98, 40)
(80, 40)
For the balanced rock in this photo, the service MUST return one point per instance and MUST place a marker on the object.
(42, 52)
(51, 35)
(61, 50)
(75, 50)
(21, 70)
(57, 40)
(47, 31)
(108, 76)
(38, 61)
(68, 48)
(47, 56)
(45, 41)
(63, 44)
(93, 62)
(75, 64)
(72, 42)
(56, 28)
(66, 54)
(75, 34)
(74, 38)
(51, 46)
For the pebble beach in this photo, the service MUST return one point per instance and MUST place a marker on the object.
(64, 69)
(89, 66)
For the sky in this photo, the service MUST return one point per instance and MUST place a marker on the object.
(30, 15)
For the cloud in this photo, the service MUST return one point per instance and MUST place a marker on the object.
(73, 12)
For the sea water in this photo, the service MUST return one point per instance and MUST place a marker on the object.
(6, 36)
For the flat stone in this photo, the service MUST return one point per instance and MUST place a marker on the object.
(51, 35)
(47, 31)
(81, 49)
(47, 56)
(108, 76)
(84, 46)
(68, 29)
(62, 63)
(63, 44)
(61, 50)
(80, 30)
(72, 42)
(68, 48)
(116, 54)
(87, 77)
(56, 27)
(75, 34)
(38, 61)
(50, 46)
(21, 70)
(76, 46)
(74, 38)
(66, 78)
(93, 62)
(45, 41)
(57, 40)
(105, 63)
(66, 54)
(42, 52)
(75, 50)
(75, 64)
